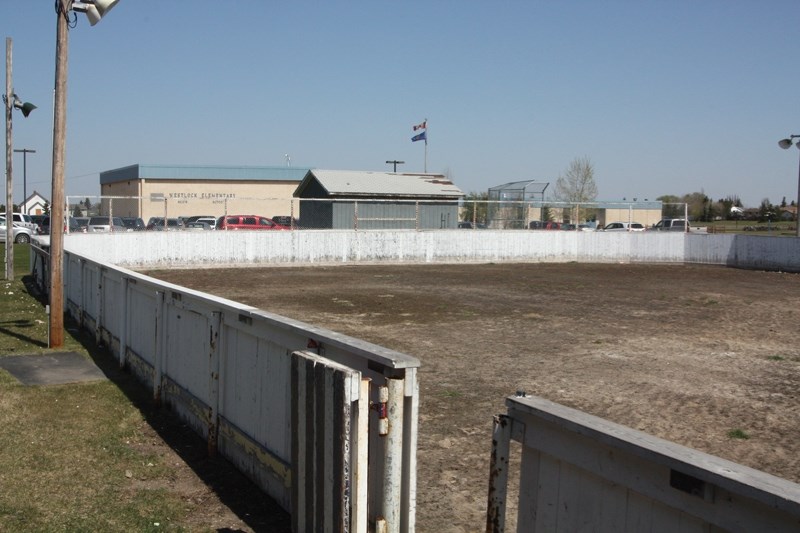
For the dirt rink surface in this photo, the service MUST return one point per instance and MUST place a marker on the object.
(686, 353)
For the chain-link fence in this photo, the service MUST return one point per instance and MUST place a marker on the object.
(376, 214)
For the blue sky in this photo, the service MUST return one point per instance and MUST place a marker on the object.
(664, 97)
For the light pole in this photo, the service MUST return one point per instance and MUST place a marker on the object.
(95, 10)
(11, 101)
(25, 152)
(785, 144)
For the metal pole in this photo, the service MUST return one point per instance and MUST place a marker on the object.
(686, 216)
(9, 102)
(797, 205)
(25, 152)
(498, 474)
(57, 200)
(393, 457)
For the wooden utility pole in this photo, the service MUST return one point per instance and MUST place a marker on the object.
(57, 198)
(9, 104)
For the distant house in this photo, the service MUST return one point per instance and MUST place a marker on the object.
(788, 212)
(34, 204)
(351, 199)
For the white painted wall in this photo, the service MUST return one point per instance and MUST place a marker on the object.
(579, 472)
(157, 249)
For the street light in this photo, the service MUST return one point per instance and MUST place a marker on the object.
(785, 144)
(11, 101)
(94, 10)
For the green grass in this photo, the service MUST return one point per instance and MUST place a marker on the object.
(738, 434)
(74, 457)
(23, 322)
(737, 226)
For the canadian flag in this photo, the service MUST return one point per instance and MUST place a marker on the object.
(422, 126)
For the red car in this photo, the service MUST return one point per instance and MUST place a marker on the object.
(237, 222)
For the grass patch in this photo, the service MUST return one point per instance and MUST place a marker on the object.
(738, 434)
(24, 324)
(776, 357)
(75, 457)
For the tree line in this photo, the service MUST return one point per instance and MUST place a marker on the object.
(577, 185)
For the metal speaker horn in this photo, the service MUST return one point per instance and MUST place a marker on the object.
(97, 9)
(26, 108)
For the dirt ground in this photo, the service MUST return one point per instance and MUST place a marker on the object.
(686, 353)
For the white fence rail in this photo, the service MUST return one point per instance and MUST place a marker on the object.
(159, 249)
(234, 374)
(579, 472)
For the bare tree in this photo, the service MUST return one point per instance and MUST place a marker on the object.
(576, 184)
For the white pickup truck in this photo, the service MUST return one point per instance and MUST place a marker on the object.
(678, 224)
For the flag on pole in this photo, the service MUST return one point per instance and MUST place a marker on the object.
(420, 137)
(421, 126)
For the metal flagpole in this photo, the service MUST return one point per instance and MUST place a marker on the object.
(422, 137)
(426, 146)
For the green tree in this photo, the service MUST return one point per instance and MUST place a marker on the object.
(670, 206)
(766, 211)
(475, 207)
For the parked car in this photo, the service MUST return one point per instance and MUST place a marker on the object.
(211, 221)
(469, 225)
(624, 226)
(576, 227)
(195, 218)
(252, 222)
(158, 224)
(133, 223)
(74, 227)
(543, 224)
(21, 234)
(671, 224)
(105, 224)
(37, 219)
(23, 220)
(83, 222)
(197, 226)
(286, 220)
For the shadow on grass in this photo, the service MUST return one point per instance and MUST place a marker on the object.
(234, 490)
(10, 328)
